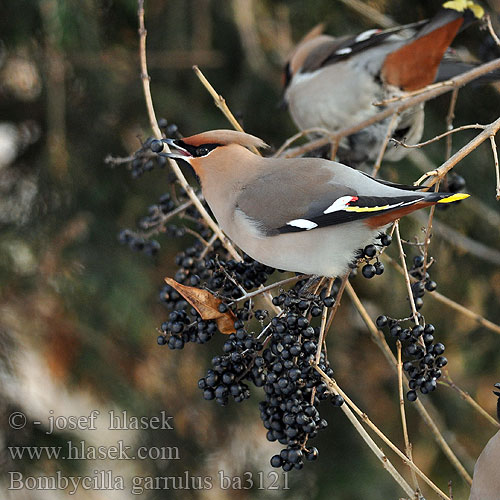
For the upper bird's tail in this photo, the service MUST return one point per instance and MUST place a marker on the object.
(415, 65)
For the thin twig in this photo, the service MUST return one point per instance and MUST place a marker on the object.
(220, 102)
(446, 380)
(449, 121)
(334, 388)
(495, 159)
(491, 30)
(438, 137)
(270, 287)
(210, 244)
(323, 330)
(408, 447)
(366, 437)
(383, 147)
(299, 135)
(440, 172)
(338, 298)
(413, 93)
(406, 275)
(163, 218)
(370, 13)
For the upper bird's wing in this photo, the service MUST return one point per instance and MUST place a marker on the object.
(339, 49)
(285, 201)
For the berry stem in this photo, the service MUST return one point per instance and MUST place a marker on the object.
(406, 275)
(408, 446)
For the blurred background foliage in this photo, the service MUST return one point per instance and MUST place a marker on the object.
(79, 313)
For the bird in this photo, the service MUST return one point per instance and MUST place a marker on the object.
(486, 479)
(333, 83)
(307, 215)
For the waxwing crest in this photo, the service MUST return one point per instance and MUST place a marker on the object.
(224, 138)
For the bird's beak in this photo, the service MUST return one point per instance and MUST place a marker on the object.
(496, 393)
(178, 153)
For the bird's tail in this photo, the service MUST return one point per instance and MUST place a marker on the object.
(446, 197)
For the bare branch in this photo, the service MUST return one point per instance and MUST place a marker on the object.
(335, 389)
(449, 121)
(438, 137)
(406, 275)
(408, 447)
(220, 102)
(440, 172)
(491, 30)
(446, 379)
(495, 159)
(265, 289)
(383, 147)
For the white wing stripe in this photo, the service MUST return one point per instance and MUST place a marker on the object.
(338, 204)
(365, 35)
(302, 224)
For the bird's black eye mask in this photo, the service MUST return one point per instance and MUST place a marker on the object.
(197, 151)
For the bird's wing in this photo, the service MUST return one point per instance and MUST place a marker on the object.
(288, 201)
(336, 50)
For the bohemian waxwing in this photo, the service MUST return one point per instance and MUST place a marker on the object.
(486, 482)
(333, 83)
(308, 215)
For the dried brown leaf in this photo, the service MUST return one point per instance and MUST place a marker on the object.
(206, 304)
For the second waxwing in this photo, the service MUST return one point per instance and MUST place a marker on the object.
(333, 83)
(307, 215)
(486, 481)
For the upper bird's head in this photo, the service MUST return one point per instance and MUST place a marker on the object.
(200, 146)
(302, 50)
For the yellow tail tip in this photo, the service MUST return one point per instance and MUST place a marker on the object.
(454, 197)
(461, 5)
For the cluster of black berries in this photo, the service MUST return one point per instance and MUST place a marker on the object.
(145, 160)
(239, 363)
(423, 281)
(369, 255)
(228, 279)
(280, 359)
(293, 387)
(156, 221)
(138, 243)
(424, 358)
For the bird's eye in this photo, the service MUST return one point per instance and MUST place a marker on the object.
(202, 151)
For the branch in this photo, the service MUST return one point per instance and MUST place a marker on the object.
(439, 173)
(408, 447)
(446, 380)
(220, 102)
(438, 137)
(335, 389)
(495, 159)
(383, 147)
